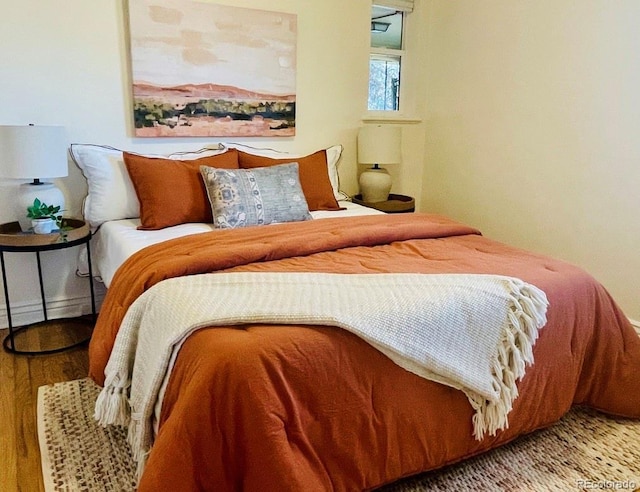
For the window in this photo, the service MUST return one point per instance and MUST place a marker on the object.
(385, 62)
(384, 83)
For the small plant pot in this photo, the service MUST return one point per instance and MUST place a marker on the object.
(43, 226)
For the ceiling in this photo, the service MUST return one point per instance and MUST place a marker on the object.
(392, 38)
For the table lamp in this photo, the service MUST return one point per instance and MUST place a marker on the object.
(33, 152)
(378, 144)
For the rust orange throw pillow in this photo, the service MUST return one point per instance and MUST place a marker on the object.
(171, 191)
(314, 176)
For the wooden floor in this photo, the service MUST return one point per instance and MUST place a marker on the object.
(20, 377)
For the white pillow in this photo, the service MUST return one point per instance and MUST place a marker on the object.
(111, 195)
(333, 156)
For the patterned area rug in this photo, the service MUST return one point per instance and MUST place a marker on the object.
(584, 451)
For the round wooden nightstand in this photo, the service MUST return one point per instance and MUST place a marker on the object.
(396, 204)
(12, 240)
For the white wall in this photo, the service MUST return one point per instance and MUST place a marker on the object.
(66, 63)
(532, 128)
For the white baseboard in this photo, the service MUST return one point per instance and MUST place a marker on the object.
(25, 313)
(636, 325)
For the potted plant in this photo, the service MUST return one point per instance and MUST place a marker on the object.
(44, 217)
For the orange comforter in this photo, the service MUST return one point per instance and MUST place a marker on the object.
(293, 408)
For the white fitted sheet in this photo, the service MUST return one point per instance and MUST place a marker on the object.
(116, 240)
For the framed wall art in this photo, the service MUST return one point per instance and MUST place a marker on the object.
(201, 70)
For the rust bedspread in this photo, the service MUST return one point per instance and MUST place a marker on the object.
(292, 408)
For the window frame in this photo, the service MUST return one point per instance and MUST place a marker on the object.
(399, 114)
(387, 54)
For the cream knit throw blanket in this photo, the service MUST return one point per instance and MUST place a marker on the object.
(472, 332)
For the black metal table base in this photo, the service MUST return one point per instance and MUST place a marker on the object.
(9, 341)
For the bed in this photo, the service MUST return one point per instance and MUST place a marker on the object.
(296, 406)
(117, 240)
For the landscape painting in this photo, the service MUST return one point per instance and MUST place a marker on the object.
(204, 70)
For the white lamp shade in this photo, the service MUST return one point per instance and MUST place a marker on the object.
(379, 144)
(32, 152)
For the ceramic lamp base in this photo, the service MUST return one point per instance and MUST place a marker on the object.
(375, 185)
(45, 192)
